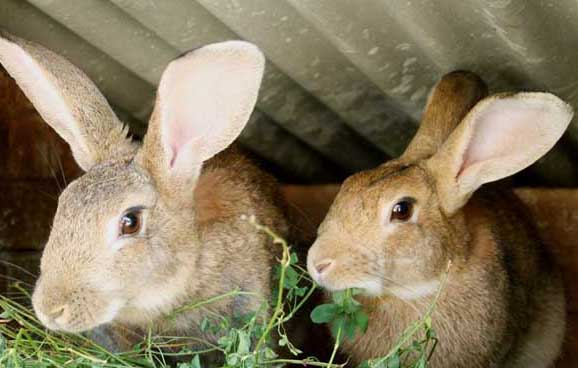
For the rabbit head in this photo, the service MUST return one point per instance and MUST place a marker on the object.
(120, 246)
(392, 230)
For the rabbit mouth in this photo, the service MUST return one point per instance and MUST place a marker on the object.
(375, 287)
(368, 286)
(328, 274)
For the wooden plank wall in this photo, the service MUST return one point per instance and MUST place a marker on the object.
(34, 165)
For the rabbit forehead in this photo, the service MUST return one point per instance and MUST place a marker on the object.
(364, 195)
(366, 246)
(105, 183)
(101, 193)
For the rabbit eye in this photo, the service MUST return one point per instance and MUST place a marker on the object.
(402, 210)
(130, 223)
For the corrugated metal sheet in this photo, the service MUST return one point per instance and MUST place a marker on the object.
(346, 80)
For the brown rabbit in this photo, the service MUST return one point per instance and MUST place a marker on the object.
(149, 229)
(393, 230)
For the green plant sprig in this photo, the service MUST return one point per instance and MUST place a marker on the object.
(410, 345)
(344, 313)
(245, 342)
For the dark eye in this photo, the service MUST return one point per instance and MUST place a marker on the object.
(130, 223)
(402, 210)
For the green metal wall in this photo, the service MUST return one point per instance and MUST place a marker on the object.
(346, 79)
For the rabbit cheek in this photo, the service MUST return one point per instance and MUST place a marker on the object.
(130, 269)
(413, 270)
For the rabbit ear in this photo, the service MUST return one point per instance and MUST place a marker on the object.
(500, 136)
(204, 100)
(449, 101)
(68, 101)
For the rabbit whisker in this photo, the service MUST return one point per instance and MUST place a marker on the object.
(49, 165)
(14, 279)
(419, 302)
(20, 268)
(128, 331)
(440, 318)
(59, 162)
(47, 194)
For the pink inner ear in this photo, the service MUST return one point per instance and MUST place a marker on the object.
(185, 110)
(179, 135)
(175, 144)
(196, 108)
(503, 129)
(205, 99)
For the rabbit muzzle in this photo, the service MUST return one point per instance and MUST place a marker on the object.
(72, 309)
(334, 270)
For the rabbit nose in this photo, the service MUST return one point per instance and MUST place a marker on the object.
(323, 266)
(59, 314)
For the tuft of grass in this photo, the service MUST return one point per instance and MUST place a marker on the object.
(246, 341)
(25, 343)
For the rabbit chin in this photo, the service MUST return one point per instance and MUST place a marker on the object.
(375, 288)
(370, 287)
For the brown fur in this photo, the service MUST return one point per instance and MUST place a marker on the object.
(220, 253)
(195, 196)
(502, 304)
(553, 211)
(77, 95)
(452, 97)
